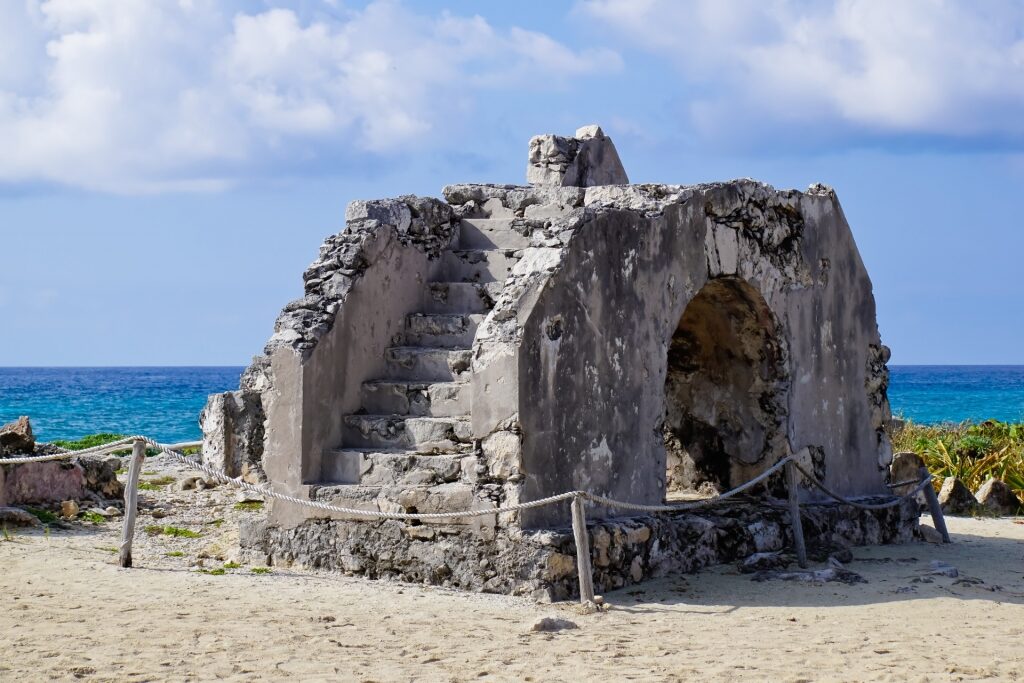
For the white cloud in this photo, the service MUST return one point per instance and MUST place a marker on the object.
(934, 68)
(152, 95)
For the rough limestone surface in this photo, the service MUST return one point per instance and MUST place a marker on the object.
(997, 497)
(511, 342)
(85, 478)
(585, 160)
(17, 437)
(955, 498)
(232, 425)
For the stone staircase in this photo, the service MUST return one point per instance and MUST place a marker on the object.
(410, 447)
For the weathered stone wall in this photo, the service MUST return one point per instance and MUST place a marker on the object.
(233, 431)
(581, 332)
(542, 564)
(357, 292)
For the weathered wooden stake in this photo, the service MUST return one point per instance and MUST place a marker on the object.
(579, 531)
(938, 519)
(792, 487)
(131, 501)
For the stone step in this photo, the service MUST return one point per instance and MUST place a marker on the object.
(476, 265)
(419, 434)
(428, 363)
(431, 399)
(490, 233)
(448, 330)
(460, 297)
(452, 497)
(391, 468)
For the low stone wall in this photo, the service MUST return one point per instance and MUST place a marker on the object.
(542, 564)
(42, 483)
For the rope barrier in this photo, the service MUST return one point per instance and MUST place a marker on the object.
(682, 507)
(121, 444)
(864, 506)
(579, 527)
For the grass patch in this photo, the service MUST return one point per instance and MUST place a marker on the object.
(94, 517)
(106, 548)
(971, 452)
(249, 505)
(260, 570)
(174, 553)
(215, 522)
(44, 516)
(5, 534)
(231, 565)
(156, 484)
(213, 572)
(177, 532)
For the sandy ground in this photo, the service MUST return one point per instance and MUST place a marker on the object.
(67, 611)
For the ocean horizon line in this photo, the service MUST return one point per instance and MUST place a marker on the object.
(244, 365)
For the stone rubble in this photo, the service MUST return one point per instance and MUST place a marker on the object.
(17, 438)
(998, 498)
(955, 498)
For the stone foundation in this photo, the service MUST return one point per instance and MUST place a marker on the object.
(542, 564)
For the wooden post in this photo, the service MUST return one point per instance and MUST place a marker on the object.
(938, 519)
(579, 531)
(792, 487)
(131, 501)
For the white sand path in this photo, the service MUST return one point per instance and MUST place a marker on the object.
(68, 612)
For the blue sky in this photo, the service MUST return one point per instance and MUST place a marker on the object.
(169, 167)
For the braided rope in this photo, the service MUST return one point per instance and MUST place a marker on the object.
(65, 454)
(409, 516)
(865, 506)
(680, 507)
(370, 514)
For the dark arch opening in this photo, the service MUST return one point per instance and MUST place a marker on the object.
(724, 390)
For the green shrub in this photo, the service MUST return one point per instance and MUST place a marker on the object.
(249, 505)
(231, 565)
(89, 441)
(971, 452)
(260, 570)
(174, 553)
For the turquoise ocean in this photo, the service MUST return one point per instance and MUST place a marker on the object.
(67, 403)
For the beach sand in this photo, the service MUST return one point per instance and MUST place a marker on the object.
(69, 612)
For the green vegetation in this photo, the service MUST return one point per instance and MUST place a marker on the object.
(213, 572)
(89, 441)
(107, 437)
(971, 452)
(174, 553)
(156, 484)
(231, 565)
(6, 534)
(177, 532)
(215, 522)
(260, 570)
(106, 549)
(44, 516)
(94, 517)
(249, 505)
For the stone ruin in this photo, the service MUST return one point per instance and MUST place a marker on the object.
(643, 342)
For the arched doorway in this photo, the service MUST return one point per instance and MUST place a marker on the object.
(725, 390)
